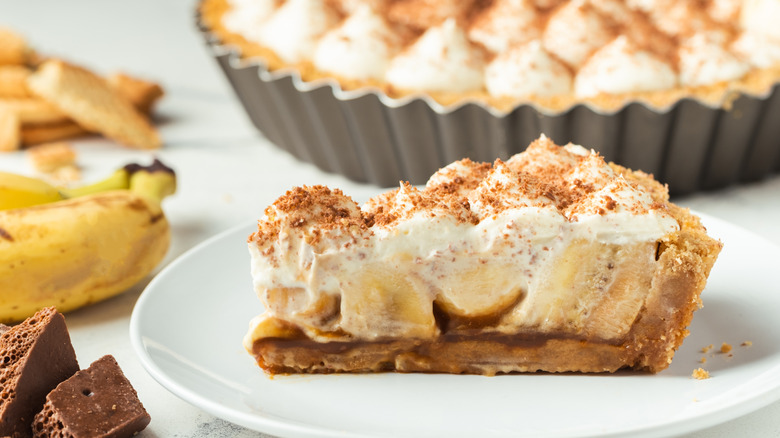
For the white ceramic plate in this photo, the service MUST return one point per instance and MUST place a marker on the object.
(188, 325)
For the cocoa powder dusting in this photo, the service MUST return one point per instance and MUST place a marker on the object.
(611, 204)
(316, 206)
(542, 175)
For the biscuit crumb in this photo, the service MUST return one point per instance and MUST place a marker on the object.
(700, 374)
(707, 348)
(725, 348)
(48, 157)
(747, 343)
(64, 175)
(703, 360)
(10, 127)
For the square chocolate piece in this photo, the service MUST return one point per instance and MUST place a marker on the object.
(35, 356)
(96, 402)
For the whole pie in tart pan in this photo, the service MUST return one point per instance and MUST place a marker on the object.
(552, 260)
(389, 90)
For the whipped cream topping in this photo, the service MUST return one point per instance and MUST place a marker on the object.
(360, 48)
(575, 31)
(351, 6)
(248, 15)
(442, 59)
(506, 24)
(527, 70)
(681, 18)
(620, 67)
(518, 48)
(623, 201)
(502, 190)
(616, 11)
(760, 16)
(704, 61)
(419, 15)
(643, 5)
(473, 240)
(459, 177)
(724, 11)
(293, 30)
(759, 50)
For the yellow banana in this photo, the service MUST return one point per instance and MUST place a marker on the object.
(78, 251)
(156, 180)
(18, 191)
(117, 181)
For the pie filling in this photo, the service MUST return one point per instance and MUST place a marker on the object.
(552, 261)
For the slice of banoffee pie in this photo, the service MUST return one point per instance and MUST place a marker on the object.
(551, 261)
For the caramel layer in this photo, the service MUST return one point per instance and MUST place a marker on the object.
(486, 354)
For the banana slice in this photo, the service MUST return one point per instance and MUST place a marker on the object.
(591, 289)
(484, 290)
(387, 302)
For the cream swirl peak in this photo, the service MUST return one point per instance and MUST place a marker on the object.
(508, 23)
(442, 59)
(360, 48)
(293, 30)
(621, 67)
(528, 70)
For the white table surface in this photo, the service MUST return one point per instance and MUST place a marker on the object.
(228, 173)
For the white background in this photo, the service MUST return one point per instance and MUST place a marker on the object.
(228, 172)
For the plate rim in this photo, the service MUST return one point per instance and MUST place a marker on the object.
(737, 407)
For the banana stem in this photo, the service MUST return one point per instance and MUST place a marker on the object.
(155, 181)
(117, 181)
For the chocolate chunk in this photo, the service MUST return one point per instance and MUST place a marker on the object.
(35, 356)
(96, 402)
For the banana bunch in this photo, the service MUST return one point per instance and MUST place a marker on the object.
(71, 247)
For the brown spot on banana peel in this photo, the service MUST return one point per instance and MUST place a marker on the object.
(156, 166)
(137, 204)
(6, 235)
(142, 206)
